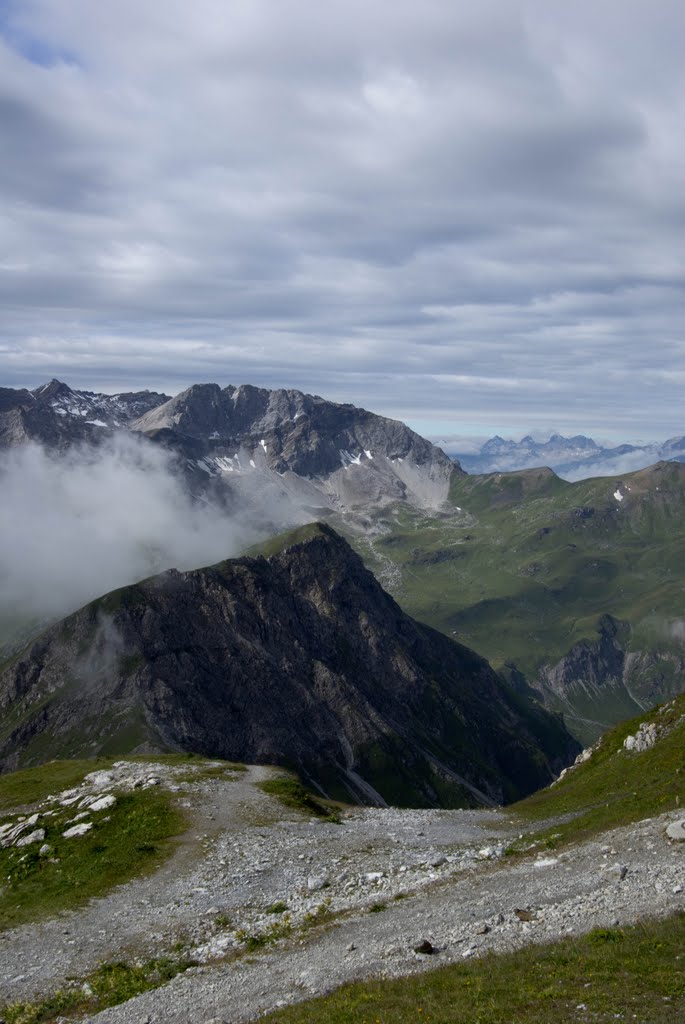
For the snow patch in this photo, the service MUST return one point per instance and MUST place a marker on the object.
(348, 459)
(618, 495)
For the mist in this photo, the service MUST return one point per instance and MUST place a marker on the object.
(78, 524)
(628, 463)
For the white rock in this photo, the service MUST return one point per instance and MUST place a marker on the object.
(100, 780)
(373, 876)
(316, 882)
(13, 834)
(79, 817)
(676, 830)
(644, 738)
(37, 836)
(617, 871)
(78, 830)
(104, 802)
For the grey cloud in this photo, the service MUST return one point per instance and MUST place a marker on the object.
(355, 199)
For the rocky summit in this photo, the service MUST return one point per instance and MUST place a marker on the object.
(317, 451)
(56, 416)
(288, 448)
(296, 657)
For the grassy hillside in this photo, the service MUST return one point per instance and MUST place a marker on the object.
(618, 786)
(524, 565)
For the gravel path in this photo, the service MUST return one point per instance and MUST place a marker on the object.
(245, 853)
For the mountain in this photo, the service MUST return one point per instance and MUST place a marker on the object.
(283, 448)
(56, 416)
(318, 452)
(572, 458)
(297, 658)
(574, 590)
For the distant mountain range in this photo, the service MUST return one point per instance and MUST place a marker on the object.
(571, 458)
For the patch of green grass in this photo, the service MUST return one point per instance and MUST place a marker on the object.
(26, 787)
(134, 841)
(109, 985)
(276, 545)
(321, 914)
(378, 908)
(292, 794)
(252, 941)
(279, 907)
(628, 974)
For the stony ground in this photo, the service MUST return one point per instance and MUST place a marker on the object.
(360, 896)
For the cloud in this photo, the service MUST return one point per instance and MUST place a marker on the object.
(79, 524)
(357, 199)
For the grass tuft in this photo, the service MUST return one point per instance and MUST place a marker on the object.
(291, 793)
(109, 985)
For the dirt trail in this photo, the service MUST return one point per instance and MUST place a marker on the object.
(245, 853)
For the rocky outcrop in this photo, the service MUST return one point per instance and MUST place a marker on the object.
(643, 739)
(55, 416)
(298, 659)
(589, 666)
(599, 682)
(322, 452)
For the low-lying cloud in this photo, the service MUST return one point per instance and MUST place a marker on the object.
(75, 525)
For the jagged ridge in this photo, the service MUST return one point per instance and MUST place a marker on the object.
(298, 659)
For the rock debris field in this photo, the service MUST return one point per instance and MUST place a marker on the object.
(335, 902)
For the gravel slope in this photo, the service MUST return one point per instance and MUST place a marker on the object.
(245, 852)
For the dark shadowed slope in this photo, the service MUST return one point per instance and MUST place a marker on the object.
(298, 658)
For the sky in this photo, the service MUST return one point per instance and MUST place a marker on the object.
(468, 216)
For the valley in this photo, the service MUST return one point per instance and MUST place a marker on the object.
(406, 649)
(574, 590)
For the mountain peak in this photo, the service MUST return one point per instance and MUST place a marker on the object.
(297, 658)
(53, 389)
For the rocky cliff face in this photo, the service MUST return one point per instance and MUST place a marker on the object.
(298, 659)
(602, 681)
(322, 452)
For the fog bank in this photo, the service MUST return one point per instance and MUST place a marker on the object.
(77, 524)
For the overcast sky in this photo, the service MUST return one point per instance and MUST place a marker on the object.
(467, 215)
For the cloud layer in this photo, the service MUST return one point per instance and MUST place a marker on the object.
(82, 523)
(471, 212)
